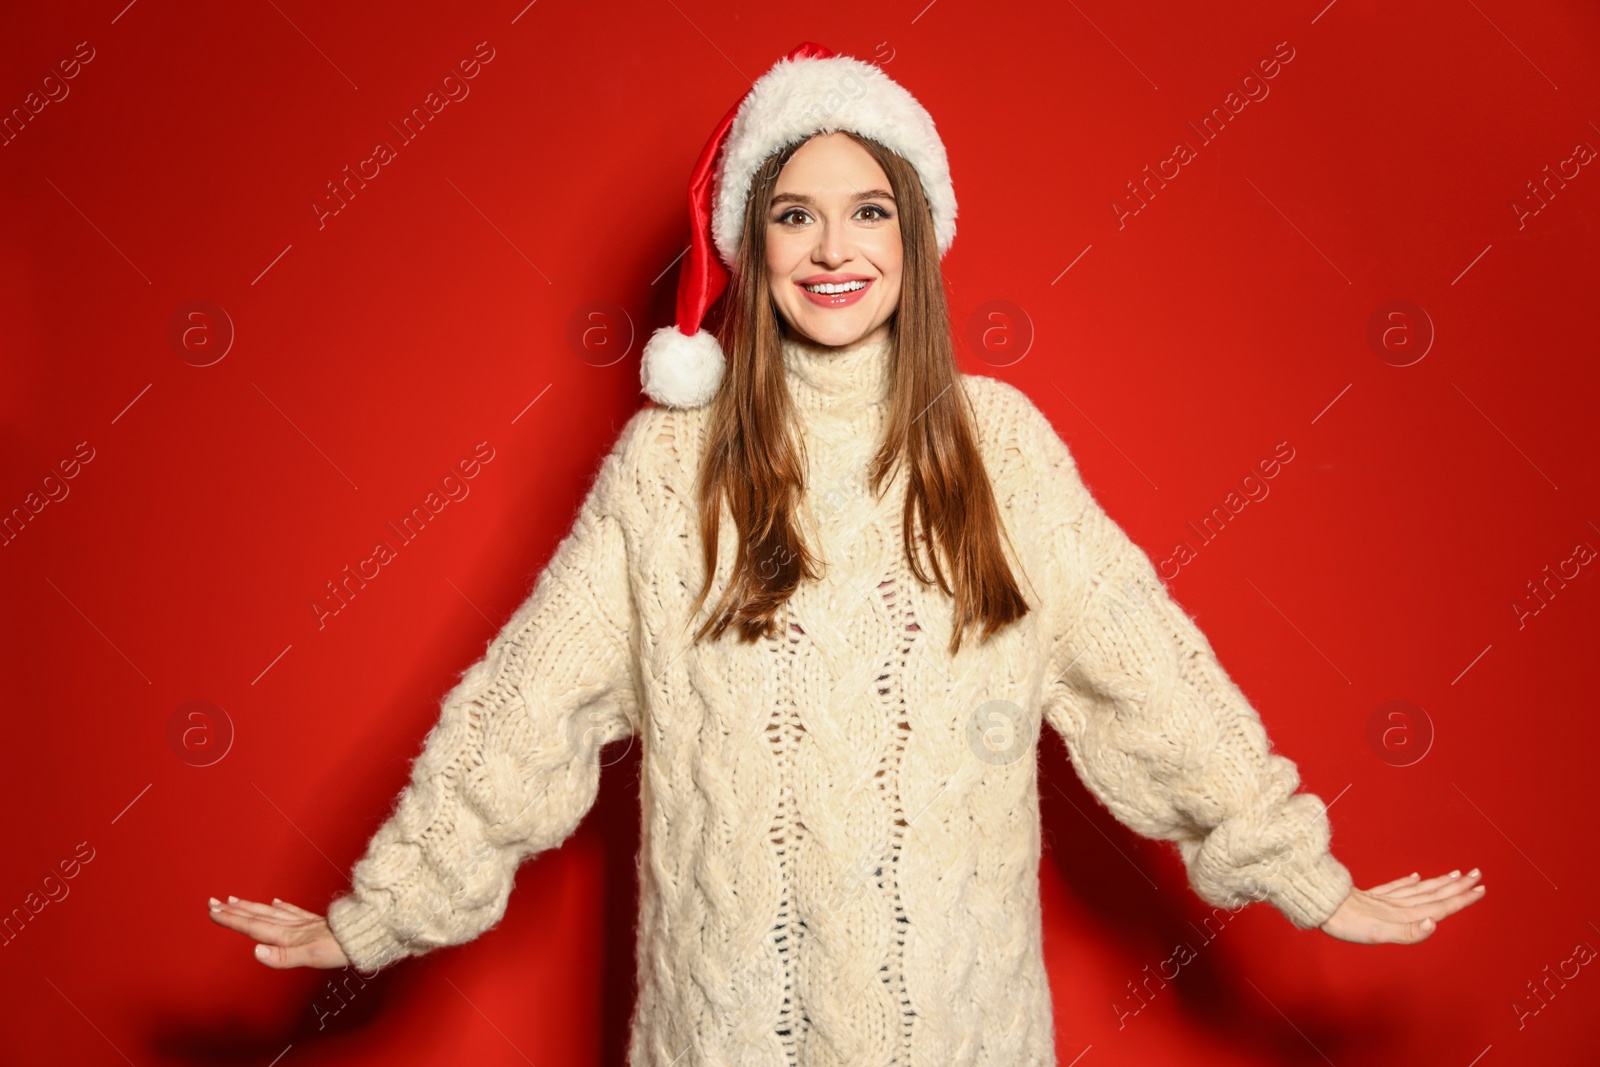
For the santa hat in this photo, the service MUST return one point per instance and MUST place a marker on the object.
(811, 90)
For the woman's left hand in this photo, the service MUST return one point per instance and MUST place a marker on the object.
(1404, 911)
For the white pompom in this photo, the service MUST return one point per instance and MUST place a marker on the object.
(681, 371)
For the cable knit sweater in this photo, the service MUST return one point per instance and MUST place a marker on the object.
(840, 824)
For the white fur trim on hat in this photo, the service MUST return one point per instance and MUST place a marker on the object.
(804, 96)
(680, 370)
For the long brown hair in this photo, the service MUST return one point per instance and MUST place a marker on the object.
(752, 458)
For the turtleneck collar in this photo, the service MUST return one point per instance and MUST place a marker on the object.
(843, 380)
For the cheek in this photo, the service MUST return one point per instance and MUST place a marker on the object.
(777, 270)
(783, 250)
(887, 255)
(781, 262)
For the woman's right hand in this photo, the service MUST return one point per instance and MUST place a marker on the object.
(286, 935)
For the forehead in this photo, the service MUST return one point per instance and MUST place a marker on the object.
(830, 164)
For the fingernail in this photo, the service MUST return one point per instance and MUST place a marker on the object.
(1474, 871)
(233, 900)
(1456, 873)
(1414, 874)
(261, 952)
(1427, 924)
(215, 903)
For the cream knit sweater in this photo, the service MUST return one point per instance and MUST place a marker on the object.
(840, 841)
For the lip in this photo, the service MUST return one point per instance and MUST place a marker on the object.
(834, 300)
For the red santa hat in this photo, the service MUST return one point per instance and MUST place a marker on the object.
(809, 91)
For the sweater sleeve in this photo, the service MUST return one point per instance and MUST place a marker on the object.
(1154, 726)
(512, 765)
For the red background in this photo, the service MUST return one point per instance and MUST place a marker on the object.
(374, 351)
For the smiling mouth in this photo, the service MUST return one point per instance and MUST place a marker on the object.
(835, 294)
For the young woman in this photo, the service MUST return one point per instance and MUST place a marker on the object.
(840, 811)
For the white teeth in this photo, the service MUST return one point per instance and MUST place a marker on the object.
(830, 287)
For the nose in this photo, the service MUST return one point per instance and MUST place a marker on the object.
(832, 244)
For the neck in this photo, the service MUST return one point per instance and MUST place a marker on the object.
(837, 380)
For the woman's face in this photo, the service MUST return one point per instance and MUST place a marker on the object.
(833, 219)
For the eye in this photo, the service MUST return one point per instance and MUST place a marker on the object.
(879, 214)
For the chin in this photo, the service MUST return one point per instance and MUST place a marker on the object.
(831, 330)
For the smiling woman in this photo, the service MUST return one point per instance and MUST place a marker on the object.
(839, 857)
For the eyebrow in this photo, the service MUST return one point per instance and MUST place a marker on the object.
(801, 198)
